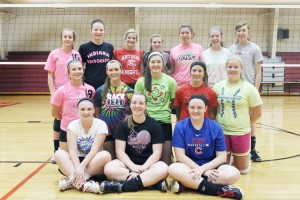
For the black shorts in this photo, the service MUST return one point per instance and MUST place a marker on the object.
(109, 138)
(131, 85)
(167, 130)
(63, 136)
(56, 125)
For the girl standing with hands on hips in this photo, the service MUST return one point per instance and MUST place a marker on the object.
(184, 54)
(65, 99)
(85, 158)
(130, 58)
(159, 89)
(95, 55)
(252, 58)
(56, 66)
(112, 102)
(139, 142)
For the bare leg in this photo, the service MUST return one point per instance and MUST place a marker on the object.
(167, 152)
(242, 163)
(96, 166)
(116, 170)
(64, 162)
(181, 172)
(110, 147)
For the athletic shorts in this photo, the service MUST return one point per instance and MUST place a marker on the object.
(167, 130)
(131, 85)
(62, 136)
(238, 144)
(109, 138)
(56, 125)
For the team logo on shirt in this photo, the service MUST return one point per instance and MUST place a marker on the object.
(188, 55)
(115, 100)
(85, 144)
(157, 95)
(139, 141)
(198, 150)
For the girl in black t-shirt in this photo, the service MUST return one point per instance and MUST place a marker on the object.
(95, 55)
(139, 141)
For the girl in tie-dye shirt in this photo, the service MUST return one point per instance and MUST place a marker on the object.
(112, 102)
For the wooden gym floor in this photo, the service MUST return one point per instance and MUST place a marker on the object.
(26, 147)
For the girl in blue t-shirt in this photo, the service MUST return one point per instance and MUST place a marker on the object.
(200, 149)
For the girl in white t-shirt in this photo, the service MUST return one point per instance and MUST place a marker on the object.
(215, 57)
(86, 158)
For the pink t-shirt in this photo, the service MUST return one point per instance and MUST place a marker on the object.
(57, 64)
(67, 97)
(181, 57)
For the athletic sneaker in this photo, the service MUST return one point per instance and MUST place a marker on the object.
(91, 186)
(65, 184)
(176, 187)
(111, 187)
(161, 186)
(230, 192)
(254, 156)
(52, 160)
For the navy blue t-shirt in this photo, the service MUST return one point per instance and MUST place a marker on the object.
(95, 58)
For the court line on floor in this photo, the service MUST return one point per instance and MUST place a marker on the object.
(11, 161)
(7, 195)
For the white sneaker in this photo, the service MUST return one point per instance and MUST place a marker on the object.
(91, 186)
(65, 184)
(176, 187)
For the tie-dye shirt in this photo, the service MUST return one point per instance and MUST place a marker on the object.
(115, 107)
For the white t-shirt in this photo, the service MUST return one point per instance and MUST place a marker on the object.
(215, 62)
(85, 140)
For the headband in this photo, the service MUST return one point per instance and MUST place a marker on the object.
(84, 99)
(155, 53)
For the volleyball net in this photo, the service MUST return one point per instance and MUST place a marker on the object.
(38, 28)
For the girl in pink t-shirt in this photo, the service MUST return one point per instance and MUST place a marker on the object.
(56, 66)
(65, 99)
(130, 58)
(184, 54)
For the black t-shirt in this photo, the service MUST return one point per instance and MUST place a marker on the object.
(95, 58)
(139, 141)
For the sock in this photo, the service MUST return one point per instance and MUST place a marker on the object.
(209, 188)
(56, 145)
(253, 142)
(133, 185)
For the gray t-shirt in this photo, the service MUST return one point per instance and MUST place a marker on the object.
(250, 54)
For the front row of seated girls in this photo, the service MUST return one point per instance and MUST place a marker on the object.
(198, 142)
